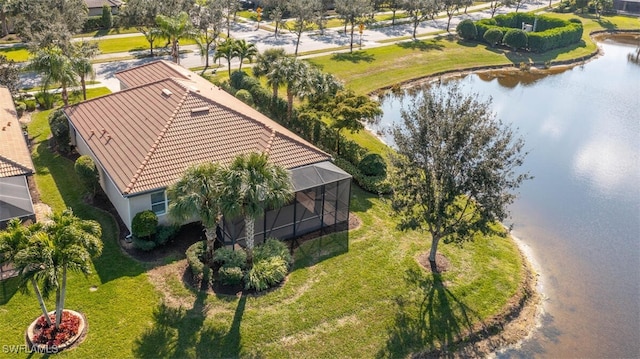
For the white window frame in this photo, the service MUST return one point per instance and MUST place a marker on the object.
(157, 203)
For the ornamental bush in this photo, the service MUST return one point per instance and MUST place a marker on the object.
(266, 273)
(466, 29)
(230, 275)
(88, 173)
(227, 258)
(273, 248)
(515, 39)
(493, 36)
(144, 224)
(373, 165)
(195, 258)
(245, 96)
(60, 130)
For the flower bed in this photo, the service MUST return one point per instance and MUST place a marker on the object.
(47, 339)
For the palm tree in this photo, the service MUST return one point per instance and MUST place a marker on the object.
(197, 193)
(296, 75)
(266, 60)
(14, 240)
(227, 50)
(55, 67)
(245, 50)
(82, 53)
(250, 185)
(174, 29)
(73, 242)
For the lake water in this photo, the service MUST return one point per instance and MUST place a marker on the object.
(580, 215)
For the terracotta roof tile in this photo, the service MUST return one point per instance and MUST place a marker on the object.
(158, 129)
(15, 159)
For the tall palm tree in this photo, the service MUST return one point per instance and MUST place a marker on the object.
(266, 60)
(82, 53)
(14, 240)
(73, 241)
(295, 74)
(227, 50)
(245, 50)
(196, 194)
(250, 185)
(174, 29)
(55, 67)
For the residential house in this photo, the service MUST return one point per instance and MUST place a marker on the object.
(166, 118)
(95, 6)
(15, 165)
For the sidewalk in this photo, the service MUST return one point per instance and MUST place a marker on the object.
(334, 40)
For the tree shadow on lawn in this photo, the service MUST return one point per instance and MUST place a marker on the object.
(354, 57)
(422, 45)
(176, 331)
(433, 319)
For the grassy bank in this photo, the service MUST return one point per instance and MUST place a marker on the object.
(368, 70)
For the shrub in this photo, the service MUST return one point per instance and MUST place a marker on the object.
(227, 257)
(92, 23)
(230, 275)
(107, 18)
(46, 100)
(30, 105)
(88, 173)
(195, 258)
(266, 273)
(144, 224)
(493, 36)
(60, 130)
(21, 107)
(373, 184)
(143, 244)
(467, 30)
(515, 39)
(373, 165)
(165, 233)
(245, 96)
(272, 248)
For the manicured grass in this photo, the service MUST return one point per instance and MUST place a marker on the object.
(120, 284)
(15, 53)
(369, 70)
(359, 294)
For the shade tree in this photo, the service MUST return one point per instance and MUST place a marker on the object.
(456, 167)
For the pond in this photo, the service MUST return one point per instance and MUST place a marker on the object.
(580, 215)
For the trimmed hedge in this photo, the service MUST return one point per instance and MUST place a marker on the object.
(196, 254)
(373, 184)
(373, 165)
(466, 29)
(228, 258)
(551, 33)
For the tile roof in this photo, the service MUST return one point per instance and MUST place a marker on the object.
(94, 4)
(146, 136)
(15, 159)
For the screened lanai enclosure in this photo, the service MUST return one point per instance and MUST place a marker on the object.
(322, 195)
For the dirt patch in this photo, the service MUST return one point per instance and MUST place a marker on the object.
(441, 264)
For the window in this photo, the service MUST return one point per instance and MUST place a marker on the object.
(158, 203)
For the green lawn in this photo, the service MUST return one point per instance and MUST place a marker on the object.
(368, 70)
(355, 294)
(122, 285)
(15, 53)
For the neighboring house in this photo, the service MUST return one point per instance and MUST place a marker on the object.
(15, 165)
(167, 118)
(95, 6)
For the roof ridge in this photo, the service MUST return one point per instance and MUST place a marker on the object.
(154, 147)
(16, 164)
(272, 138)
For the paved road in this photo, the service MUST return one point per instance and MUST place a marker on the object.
(320, 44)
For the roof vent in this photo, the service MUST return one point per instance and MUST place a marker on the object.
(199, 110)
(167, 92)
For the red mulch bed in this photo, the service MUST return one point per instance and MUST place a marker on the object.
(52, 337)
